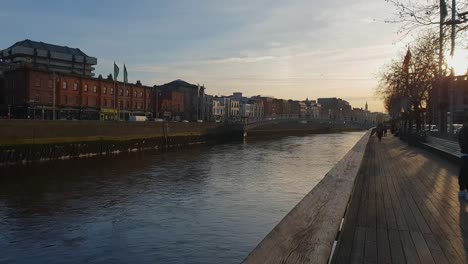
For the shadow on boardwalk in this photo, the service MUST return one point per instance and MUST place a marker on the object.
(404, 209)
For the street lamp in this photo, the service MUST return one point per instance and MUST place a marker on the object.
(53, 96)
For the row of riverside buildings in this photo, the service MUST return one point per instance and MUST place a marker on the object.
(38, 80)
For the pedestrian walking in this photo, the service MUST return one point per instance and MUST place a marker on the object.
(385, 131)
(463, 175)
(380, 131)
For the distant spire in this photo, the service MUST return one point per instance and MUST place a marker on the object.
(367, 107)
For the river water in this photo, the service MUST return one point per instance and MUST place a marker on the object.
(209, 204)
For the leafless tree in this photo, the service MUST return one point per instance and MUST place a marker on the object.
(406, 83)
(414, 14)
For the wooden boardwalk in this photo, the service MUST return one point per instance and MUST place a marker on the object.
(404, 209)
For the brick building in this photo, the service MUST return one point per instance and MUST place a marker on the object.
(29, 93)
(171, 105)
(193, 98)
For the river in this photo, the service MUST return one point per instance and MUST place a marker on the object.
(208, 204)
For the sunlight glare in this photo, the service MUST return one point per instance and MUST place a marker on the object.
(459, 62)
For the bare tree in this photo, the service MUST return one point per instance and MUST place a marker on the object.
(424, 14)
(406, 84)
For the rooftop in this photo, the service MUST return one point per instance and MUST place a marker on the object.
(50, 47)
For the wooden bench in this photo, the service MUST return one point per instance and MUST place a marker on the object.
(447, 148)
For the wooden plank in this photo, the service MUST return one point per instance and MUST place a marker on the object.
(357, 253)
(380, 204)
(409, 191)
(415, 192)
(370, 249)
(436, 250)
(421, 248)
(411, 254)
(345, 243)
(383, 246)
(449, 250)
(396, 248)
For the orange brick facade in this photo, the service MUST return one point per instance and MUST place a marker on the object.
(30, 92)
(171, 105)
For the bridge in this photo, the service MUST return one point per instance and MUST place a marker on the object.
(384, 202)
(245, 127)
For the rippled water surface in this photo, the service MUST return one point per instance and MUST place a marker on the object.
(209, 204)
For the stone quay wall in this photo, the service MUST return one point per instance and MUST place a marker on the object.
(23, 141)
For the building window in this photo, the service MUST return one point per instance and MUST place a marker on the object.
(128, 105)
(75, 86)
(120, 92)
(85, 88)
(127, 92)
(51, 83)
(134, 93)
(64, 85)
(112, 91)
(50, 98)
(104, 90)
(141, 94)
(95, 89)
(37, 82)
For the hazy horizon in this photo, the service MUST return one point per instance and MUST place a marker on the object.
(286, 49)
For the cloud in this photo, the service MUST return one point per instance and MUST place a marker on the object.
(293, 48)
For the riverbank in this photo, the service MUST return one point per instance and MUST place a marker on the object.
(297, 129)
(23, 141)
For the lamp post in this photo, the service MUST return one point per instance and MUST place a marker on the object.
(451, 102)
(53, 96)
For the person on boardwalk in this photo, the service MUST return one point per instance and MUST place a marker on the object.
(463, 175)
(380, 131)
(385, 130)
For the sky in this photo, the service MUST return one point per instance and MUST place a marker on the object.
(292, 49)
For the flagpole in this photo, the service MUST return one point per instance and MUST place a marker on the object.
(116, 114)
(115, 102)
(125, 87)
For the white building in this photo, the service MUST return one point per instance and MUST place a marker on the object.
(314, 111)
(246, 111)
(218, 110)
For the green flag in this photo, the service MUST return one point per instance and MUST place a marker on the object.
(443, 10)
(116, 71)
(125, 75)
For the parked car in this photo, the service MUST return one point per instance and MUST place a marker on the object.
(185, 121)
(158, 120)
(137, 118)
(200, 121)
